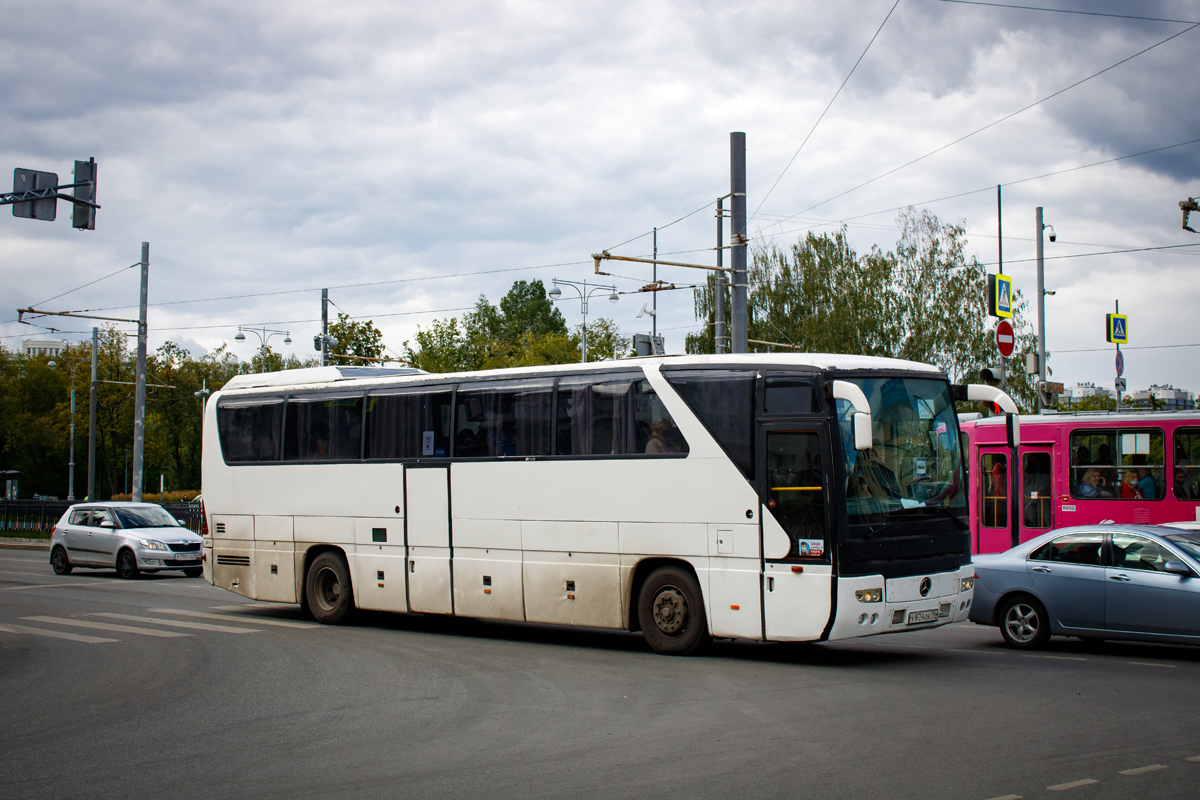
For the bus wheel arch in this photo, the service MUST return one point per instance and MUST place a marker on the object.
(328, 594)
(667, 606)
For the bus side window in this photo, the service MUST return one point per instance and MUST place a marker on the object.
(724, 402)
(323, 428)
(504, 419)
(249, 430)
(1186, 481)
(993, 484)
(596, 416)
(408, 425)
(657, 434)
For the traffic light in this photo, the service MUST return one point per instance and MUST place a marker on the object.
(84, 217)
(992, 375)
(27, 180)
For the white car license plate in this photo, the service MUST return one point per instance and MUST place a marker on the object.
(923, 616)
(194, 556)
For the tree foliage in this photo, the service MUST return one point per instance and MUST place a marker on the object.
(923, 301)
(355, 339)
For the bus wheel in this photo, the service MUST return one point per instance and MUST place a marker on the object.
(1023, 624)
(671, 612)
(327, 589)
(59, 562)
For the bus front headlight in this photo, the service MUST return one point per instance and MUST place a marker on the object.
(869, 595)
(967, 584)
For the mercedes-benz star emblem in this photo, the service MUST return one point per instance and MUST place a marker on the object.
(926, 585)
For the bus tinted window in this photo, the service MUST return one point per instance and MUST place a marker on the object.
(412, 425)
(503, 419)
(249, 431)
(790, 396)
(597, 415)
(1117, 464)
(724, 402)
(323, 429)
(1186, 481)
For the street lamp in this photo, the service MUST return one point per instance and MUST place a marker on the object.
(73, 365)
(585, 293)
(264, 335)
(1041, 300)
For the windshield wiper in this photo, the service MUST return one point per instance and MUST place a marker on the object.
(919, 513)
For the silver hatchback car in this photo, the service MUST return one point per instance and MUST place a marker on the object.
(131, 537)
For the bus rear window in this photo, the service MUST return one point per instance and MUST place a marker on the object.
(249, 431)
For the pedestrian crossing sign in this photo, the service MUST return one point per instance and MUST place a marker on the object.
(1000, 296)
(1116, 329)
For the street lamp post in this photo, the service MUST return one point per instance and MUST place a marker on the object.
(1041, 307)
(73, 364)
(584, 293)
(264, 335)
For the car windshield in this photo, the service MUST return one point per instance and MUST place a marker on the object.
(914, 466)
(1187, 542)
(146, 517)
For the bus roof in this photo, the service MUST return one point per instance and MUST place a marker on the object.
(325, 376)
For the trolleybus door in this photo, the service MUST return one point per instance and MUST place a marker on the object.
(996, 532)
(797, 565)
(1037, 498)
(427, 520)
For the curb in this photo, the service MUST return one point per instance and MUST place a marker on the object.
(24, 546)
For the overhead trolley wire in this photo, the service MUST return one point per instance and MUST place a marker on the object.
(827, 107)
(1069, 11)
(998, 121)
(90, 283)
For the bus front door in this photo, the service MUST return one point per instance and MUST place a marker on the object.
(427, 521)
(797, 565)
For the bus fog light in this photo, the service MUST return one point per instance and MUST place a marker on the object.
(967, 584)
(874, 618)
(869, 595)
(862, 619)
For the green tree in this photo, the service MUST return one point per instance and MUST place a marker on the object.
(355, 339)
(605, 340)
(442, 347)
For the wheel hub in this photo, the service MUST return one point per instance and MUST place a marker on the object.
(1022, 623)
(329, 589)
(670, 610)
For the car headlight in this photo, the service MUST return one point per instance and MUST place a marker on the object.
(869, 595)
(150, 544)
(967, 584)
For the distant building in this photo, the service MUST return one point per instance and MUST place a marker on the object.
(1166, 397)
(43, 347)
(1074, 394)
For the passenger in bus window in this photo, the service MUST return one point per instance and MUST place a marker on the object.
(1129, 486)
(319, 436)
(1147, 484)
(658, 443)
(1092, 485)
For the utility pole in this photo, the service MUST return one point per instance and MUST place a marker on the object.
(719, 295)
(654, 296)
(324, 327)
(91, 491)
(1000, 269)
(1041, 308)
(1117, 310)
(737, 237)
(139, 407)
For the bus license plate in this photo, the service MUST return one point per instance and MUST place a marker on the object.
(193, 556)
(923, 616)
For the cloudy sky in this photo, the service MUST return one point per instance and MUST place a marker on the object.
(412, 155)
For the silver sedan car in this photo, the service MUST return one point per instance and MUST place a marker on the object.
(131, 537)
(1134, 582)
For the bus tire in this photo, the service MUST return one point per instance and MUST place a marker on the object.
(1024, 623)
(671, 612)
(327, 590)
(59, 561)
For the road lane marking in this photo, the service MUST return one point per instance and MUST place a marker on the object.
(1009, 797)
(45, 586)
(74, 637)
(202, 626)
(1140, 770)
(1062, 787)
(1149, 664)
(1063, 658)
(1192, 758)
(282, 623)
(104, 626)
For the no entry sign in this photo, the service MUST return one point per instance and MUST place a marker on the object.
(1005, 340)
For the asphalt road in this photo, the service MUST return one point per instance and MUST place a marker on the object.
(166, 686)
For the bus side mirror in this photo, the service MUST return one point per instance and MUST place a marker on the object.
(862, 431)
(860, 420)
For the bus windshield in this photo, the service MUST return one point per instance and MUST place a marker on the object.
(914, 466)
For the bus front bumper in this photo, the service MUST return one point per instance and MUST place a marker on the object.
(870, 604)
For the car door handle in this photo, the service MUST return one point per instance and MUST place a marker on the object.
(1041, 569)
(1121, 578)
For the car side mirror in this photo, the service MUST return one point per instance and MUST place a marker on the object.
(181, 523)
(108, 523)
(1177, 568)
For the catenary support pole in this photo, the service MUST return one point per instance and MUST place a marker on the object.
(737, 238)
(719, 294)
(324, 327)
(1041, 306)
(1000, 269)
(654, 295)
(91, 479)
(71, 463)
(139, 407)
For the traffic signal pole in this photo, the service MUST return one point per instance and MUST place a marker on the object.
(737, 236)
(139, 403)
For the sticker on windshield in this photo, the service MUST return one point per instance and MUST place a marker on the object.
(924, 408)
(811, 548)
(918, 468)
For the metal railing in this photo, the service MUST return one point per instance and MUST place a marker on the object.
(37, 517)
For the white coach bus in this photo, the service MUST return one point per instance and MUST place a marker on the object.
(767, 497)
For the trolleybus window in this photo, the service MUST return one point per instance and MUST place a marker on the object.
(1117, 464)
(510, 418)
(993, 483)
(323, 428)
(408, 425)
(915, 460)
(249, 430)
(1035, 490)
(797, 499)
(724, 402)
(1186, 481)
(597, 415)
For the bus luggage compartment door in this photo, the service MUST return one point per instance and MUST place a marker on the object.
(427, 512)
